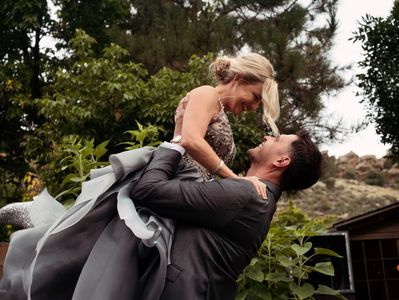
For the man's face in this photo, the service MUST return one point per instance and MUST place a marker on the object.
(272, 149)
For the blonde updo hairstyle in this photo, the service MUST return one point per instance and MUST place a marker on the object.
(252, 68)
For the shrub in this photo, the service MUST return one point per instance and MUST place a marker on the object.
(330, 183)
(283, 264)
(350, 174)
(374, 178)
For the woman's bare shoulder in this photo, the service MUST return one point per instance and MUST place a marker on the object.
(205, 91)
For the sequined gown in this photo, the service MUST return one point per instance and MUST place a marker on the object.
(220, 137)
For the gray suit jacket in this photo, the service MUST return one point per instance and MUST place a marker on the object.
(219, 227)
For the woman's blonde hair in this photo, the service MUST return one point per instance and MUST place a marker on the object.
(252, 67)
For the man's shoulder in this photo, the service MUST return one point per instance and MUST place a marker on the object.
(244, 189)
(272, 190)
(241, 190)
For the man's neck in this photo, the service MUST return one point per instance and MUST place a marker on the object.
(264, 174)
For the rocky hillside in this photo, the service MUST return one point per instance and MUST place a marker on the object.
(351, 186)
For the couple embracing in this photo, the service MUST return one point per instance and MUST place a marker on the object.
(200, 232)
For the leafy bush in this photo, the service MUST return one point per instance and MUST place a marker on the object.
(142, 134)
(284, 261)
(329, 171)
(70, 165)
(349, 174)
(77, 156)
(81, 157)
(330, 183)
(329, 166)
(102, 97)
(5, 232)
(374, 178)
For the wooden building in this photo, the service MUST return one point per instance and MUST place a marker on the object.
(374, 247)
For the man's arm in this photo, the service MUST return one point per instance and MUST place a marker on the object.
(211, 204)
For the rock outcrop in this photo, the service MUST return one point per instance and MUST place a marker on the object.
(366, 168)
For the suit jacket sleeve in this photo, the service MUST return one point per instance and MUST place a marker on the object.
(211, 204)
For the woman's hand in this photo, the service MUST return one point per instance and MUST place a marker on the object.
(179, 114)
(260, 187)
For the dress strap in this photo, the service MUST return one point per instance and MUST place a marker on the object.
(220, 113)
(220, 103)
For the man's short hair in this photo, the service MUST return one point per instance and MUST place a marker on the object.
(305, 167)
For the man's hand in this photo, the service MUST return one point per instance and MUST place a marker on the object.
(260, 187)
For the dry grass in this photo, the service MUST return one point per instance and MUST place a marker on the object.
(343, 198)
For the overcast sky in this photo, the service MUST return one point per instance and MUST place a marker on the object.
(346, 104)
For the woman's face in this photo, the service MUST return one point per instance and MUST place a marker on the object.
(244, 97)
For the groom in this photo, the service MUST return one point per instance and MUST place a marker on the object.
(221, 224)
(219, 227)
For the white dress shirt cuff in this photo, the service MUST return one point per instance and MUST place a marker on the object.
(173, 147)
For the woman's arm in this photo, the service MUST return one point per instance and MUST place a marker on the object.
(202, 106)
(192, 118)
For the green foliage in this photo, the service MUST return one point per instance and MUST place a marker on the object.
(74, 157)
(330, 183)
(294, 36)
(150, 132)
(13, 165)
(329, 171)
(284, 261)
(374, 178)
(168, 33)
(380, 80)
(167, 87)
(94, 98)
(79, 157)
(349, 174)
(22, 26)
(248, 132)
(58, 162)
(99, 93)
(329, 167)
(5, 232)
(102, 97)
(92, 16)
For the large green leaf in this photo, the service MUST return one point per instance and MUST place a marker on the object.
(101, 149)
(325, 290)
(325, 251)
(242, 295)
(261, 291)
(325, 268)
(301, 250)
(303, 292)
(253, 262)
(286, 261)
(255, 274)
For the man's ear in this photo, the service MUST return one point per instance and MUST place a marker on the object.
(282, 162)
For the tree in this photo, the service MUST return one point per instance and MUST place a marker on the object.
(94, 17)
(380, 80)
(102, 97)
(22, 25)
(296, 37)
(166, 33)
(101, 90)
